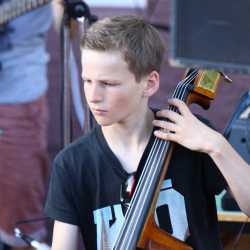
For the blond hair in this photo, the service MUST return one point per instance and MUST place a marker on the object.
(138, 41)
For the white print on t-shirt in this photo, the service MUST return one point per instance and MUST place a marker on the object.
(108, 228)
(176, 207)
(106, 234)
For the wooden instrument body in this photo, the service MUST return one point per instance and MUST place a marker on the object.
(152, 237)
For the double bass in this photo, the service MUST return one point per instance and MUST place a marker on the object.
(139, 230)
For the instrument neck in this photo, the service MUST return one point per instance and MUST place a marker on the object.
(143, 196)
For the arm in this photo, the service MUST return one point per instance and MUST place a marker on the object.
(188, 131)
(65, 236)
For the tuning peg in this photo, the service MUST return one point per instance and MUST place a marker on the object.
(226, 78)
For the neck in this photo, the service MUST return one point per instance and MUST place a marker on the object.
(128, 141)
(132, 131)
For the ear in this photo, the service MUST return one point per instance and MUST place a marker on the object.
(152, 84)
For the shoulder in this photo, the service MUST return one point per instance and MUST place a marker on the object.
(78, 151)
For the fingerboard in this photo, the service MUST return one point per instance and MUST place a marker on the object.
(14, 8)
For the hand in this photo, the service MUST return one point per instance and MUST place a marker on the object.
(185, 129)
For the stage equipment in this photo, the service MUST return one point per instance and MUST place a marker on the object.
(27, 238)
(212, 34)
(237, 133)
(30, 241)
(78, 10)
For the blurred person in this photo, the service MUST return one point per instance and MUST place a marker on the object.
(23, 124)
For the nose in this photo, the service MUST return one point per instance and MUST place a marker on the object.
(94, 93)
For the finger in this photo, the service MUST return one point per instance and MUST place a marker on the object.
(167, 126)
(165, 136)
(169, 114)
(180, 105)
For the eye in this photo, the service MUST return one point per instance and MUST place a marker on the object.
(86, 81)
(112, 84)
(108, 83)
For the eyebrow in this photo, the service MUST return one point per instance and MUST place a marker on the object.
(102, 80)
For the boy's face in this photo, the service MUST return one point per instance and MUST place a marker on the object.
(111, 91)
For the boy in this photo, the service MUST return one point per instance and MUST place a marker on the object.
(121, 58)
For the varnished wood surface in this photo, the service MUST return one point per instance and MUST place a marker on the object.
(233, 217)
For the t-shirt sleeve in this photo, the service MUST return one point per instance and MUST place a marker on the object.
(60, 203)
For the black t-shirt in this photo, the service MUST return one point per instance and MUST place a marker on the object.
(86, 184)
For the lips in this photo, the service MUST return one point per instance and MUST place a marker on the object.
(98, 111)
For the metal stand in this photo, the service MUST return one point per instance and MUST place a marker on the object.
(73, 9)
(65, 82)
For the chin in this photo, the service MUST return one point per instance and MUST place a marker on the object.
(103, 122)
